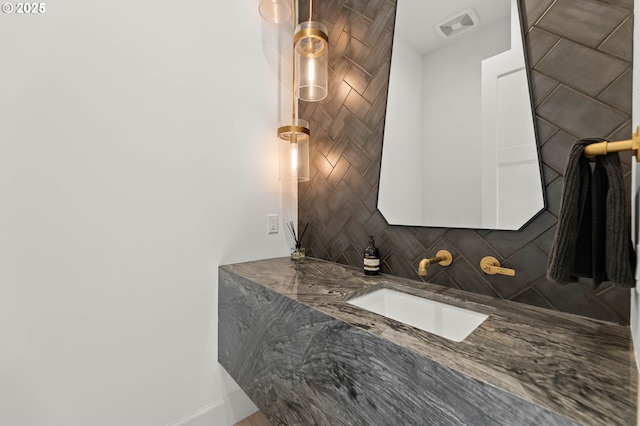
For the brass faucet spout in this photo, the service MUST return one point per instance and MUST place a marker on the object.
(442, 257)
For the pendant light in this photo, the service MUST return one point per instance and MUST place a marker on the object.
(276, 11)
(311, 47)
(294, 150)
(294, 137)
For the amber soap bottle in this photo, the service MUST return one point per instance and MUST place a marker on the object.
(371, 258)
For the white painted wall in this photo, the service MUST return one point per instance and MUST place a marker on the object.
(635, 185)
(403, 142)
(136, 155)
(452, 90)
(635, 188)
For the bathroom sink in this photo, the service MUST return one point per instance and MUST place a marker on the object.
(451, 322)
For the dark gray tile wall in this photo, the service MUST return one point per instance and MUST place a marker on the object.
(579, 54)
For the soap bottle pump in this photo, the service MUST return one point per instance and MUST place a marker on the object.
(371, 258)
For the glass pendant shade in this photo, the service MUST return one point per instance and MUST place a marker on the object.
(276, 11)
(311, 45)
(294, 151)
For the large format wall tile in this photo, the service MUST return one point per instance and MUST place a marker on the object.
(566, 41)
(572, 64)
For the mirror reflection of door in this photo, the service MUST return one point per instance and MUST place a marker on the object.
(459, 145)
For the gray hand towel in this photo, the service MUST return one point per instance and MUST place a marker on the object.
(592, 237)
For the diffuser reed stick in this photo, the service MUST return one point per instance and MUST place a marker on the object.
(296, 239)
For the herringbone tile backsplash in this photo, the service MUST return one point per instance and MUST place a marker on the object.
(579, 54)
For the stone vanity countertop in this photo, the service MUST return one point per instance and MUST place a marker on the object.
(580, 368)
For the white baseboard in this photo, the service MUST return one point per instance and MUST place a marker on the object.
(226, 412)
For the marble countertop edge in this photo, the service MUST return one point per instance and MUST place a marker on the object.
(578, 367)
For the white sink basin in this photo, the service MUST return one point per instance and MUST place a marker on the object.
(451, 322)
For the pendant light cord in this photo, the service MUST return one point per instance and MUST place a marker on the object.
(310, 9)
(293, 64)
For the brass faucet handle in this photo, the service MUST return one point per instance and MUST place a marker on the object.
(490, 265)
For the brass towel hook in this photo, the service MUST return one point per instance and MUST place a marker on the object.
(490, 265)
(605, 147)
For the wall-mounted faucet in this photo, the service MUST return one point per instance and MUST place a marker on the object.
(443, 258)
(490, 265)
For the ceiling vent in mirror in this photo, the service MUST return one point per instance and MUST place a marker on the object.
(458, 23)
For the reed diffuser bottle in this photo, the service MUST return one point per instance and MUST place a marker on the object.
(371, 258)
(298, 252)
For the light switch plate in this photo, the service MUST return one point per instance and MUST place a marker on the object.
(272, 224)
